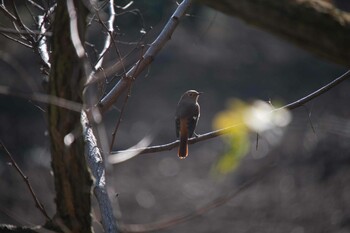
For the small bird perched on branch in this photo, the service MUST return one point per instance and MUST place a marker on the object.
(186, 119)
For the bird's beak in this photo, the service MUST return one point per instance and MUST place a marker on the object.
(200, 92)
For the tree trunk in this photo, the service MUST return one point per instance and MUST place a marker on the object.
(71, 175)
(315, 25)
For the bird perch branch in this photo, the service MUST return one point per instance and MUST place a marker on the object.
(216, 133)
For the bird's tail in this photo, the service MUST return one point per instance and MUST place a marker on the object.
(183, 147)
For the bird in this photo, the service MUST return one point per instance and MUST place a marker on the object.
(186, 119)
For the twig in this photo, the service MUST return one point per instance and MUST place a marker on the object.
(42, 98)
(17, 40)
(23, 32)
(29, 37)
(148, 57)
(110, 30)
(7, 13)
(317, 93)
(139, 228)
(227, 130)
(121, 113)
(38, 204)
(96, 164)
(119, 119)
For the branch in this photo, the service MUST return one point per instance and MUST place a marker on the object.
(147, 58)
(38, 204)
(28, 36)
(217, 202)
(23, 32)
(42, 41)
(18, 229)
(42, 98)
(172, 145)
(216, 133)
(95, 161)
(298, 21)
(109, 37)
(317, 93)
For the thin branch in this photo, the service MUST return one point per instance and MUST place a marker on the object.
(19, 22)
(110, 30)
(38, 204)
(148, 57)
(317, 93)
(36, 5)
(23, 32)
(17, 40)
(119, 119)
(216, 133)
(74, 32)
(7, 13)
(42, 98)
(217, 202)
(117, 66)
(121, 112)
(96, 164)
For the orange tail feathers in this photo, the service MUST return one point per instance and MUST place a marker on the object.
(183, 147)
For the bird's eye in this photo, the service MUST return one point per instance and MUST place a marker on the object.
(190, 94)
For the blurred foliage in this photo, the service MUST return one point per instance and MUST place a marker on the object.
(256, 117)
(237, 140)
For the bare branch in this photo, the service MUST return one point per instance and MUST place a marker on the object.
(96, 164)
(19, 22)
(217, 202)
(172, 145)
(42, 98)
(17, 40)
(38, 204)
(7, 13)
(119, 119)
(148, 57)
(74, 32)
(216, 133)
(109, 37)
(23, 32)
(317, 93)
(18, 229)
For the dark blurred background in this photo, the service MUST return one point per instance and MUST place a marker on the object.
(307, 190)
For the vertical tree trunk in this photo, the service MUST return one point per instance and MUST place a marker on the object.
(71, 175)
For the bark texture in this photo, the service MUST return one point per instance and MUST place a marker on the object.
(315, 25)
(71, 175)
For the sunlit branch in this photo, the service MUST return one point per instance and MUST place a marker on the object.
(96, 164)
(147, 58)
(109, 36)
